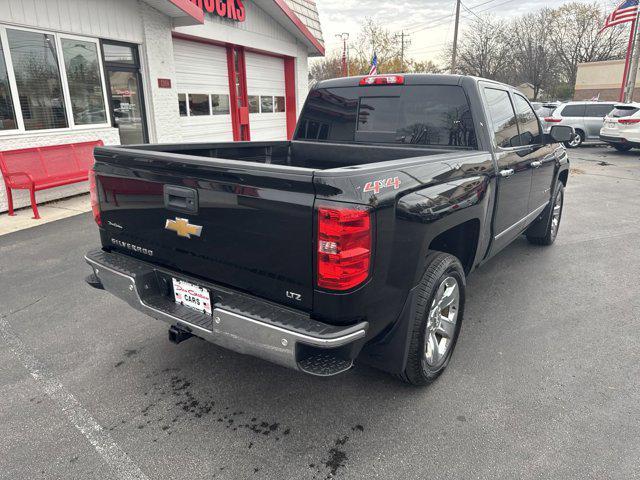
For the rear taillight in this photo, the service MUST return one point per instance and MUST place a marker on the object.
(93, 194)
(552, 120)
(629, 121)
(382, 80)
(344, 247)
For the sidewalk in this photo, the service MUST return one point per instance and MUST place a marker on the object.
(49, 212)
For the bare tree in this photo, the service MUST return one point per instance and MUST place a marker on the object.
(327, 67)
(375, 38)
(575, 38)
(427, 66)
(533, 56)
(483, 50)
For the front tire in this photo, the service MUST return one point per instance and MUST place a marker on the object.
(552, 219)
(438, 318)
(577, 140)
(621, 148)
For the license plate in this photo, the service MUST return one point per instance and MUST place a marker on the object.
(192, 296)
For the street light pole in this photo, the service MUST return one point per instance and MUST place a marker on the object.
(345, 53)
(454, 57)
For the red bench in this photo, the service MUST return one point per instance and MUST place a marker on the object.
(41, 168)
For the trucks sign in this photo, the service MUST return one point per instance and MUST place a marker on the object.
(232, 9)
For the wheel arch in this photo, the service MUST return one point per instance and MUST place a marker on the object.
(563, 177)
(461, 241)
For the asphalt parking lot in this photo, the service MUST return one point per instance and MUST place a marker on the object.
(544, 382)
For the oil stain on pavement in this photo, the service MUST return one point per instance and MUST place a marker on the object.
(171, 403)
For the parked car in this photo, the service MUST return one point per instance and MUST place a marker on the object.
(545, 109)
(585, 117)
(621, 127)
(354, 240)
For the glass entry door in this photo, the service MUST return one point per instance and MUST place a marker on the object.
(125, 92)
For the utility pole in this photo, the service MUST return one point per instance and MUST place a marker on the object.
(633, 69)
(454, 57)
(402, 36)
(345, 53)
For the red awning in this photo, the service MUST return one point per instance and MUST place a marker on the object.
(280, 11)
(183, 12)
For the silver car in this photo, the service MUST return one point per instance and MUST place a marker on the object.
(586, 118)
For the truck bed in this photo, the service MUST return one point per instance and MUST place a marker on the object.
(253, 202)
(300, 154)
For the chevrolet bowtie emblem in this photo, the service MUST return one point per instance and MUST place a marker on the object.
(183, 228)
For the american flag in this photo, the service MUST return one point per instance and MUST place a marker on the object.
(627, 11)
(374, 62)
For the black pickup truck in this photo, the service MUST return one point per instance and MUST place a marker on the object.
(353, 240)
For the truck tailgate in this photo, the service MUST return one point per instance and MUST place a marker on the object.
(244, 226)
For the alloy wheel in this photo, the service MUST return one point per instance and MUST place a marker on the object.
(441, 322)
(556, 214)
(575, 141)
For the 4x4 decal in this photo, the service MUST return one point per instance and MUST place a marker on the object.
(378, 185)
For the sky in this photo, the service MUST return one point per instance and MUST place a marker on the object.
(428, 22)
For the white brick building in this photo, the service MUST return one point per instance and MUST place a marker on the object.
(135, 71)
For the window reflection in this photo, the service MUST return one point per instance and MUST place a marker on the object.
(503, 118)
(418, 115)
(527, 121)
(85, 82)
(7, 115)
(35, 63)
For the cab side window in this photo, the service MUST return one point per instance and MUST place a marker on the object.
(503, 118)
(527, 121)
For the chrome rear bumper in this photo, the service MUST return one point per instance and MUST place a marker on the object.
(239, 322)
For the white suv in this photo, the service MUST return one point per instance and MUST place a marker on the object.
(621, 127)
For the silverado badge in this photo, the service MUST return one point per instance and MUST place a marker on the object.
(183, 228)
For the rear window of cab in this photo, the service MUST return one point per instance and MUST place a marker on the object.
(437, 115)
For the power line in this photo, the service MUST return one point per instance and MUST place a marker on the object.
(471, 11)
(438, 21)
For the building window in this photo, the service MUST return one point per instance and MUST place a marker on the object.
(182, 104)
(123, 54)
(219, 104)
(198, 105)
(82, 67)
(49, 81)
(7, 115)
(266, 104)
(254, 103)
(202, 105)
(280, 104)
(35, 64)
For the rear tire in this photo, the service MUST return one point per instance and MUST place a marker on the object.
(577, 140)
(552, 219)
(437, 321)
(621, 148)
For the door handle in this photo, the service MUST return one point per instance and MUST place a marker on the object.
(536, 164)
(507, 173)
